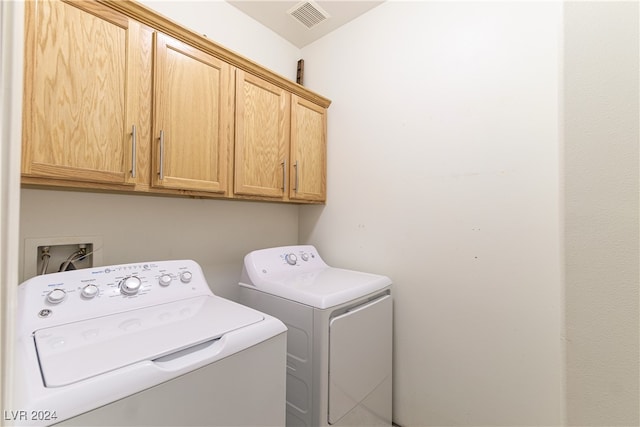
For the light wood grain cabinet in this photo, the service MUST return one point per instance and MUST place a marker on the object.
(280, 146)
(117, 97)
(262, 137)
(308, 151)
(193, 118)
(87, 93)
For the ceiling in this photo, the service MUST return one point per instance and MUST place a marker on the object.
(319, 17)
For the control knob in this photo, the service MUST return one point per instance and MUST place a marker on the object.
(56, 296)
(89, 291)
(131, 285)
(291, 259)
(165, 280)
(186, 276)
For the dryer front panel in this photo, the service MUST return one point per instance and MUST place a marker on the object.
(360, 353)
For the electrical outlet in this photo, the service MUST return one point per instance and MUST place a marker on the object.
(49, 255)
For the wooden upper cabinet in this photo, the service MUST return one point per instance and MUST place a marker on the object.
(118, 97)
(193, 118)
(262, 137)
(87, 84)
(308, 169)
(280, 147)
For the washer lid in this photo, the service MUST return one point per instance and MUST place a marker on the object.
(76, 351)
(320, 288)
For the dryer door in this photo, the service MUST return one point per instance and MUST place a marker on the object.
(360, 345)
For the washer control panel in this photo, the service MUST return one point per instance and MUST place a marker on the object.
(88, 293)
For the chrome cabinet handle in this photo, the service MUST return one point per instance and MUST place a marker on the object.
(295, 188)
(133, 151)
(161, 172)
(284, 175)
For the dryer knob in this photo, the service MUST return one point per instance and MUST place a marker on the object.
(56, 296)
(130, 285)
(186, 276)
(165, 280)
(291, 259)
(89, 291)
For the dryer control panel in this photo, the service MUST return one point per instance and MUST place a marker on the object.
(284, 259)
(69, 296)
(297, 273)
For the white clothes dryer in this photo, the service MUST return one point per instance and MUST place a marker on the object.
(144, 344)
(339, 340)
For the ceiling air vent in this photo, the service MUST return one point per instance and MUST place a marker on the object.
(308, 13)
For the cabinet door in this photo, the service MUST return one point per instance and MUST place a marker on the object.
(193, 117)
(308, 150)
(80, 85)
(262, 137)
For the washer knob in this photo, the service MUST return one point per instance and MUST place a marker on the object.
(305, 256)
(165, 280)
(186, 276)
(56, 296)
(90, 291)
(291, 259)
(130, 285)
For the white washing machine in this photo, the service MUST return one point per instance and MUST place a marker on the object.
(144, 344)
(339, 343)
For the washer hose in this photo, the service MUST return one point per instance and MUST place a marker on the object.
(76, 256)
(45, 259)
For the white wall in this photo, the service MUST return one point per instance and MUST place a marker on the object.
(601, 133)
(444, 174)
(215, 233)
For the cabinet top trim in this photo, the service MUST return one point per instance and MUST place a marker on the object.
(161, 23)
